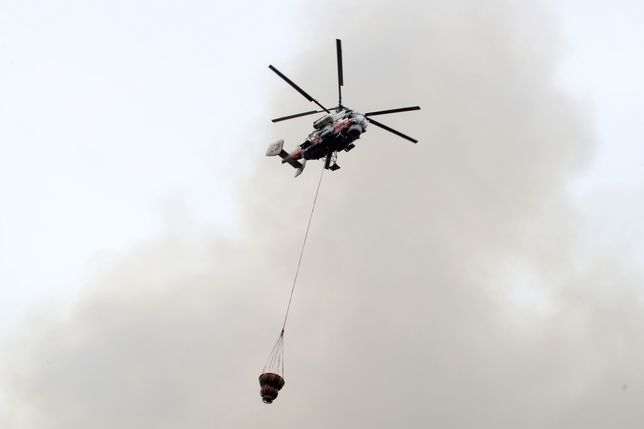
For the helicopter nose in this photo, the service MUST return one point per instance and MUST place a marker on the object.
(354, 131)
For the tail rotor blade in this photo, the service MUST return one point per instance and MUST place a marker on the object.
(391, 130)
(297, 88)
(386, 112)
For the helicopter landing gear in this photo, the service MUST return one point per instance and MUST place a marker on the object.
(330, 161)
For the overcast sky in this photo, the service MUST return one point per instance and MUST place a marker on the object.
(489, 276)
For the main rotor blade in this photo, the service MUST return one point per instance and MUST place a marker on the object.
(338, 48)
(297, 88)
(297, 115)
(391, 130)
(385, 112)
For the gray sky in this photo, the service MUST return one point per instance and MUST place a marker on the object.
(488, 276)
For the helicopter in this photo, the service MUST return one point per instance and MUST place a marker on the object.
(336, 131)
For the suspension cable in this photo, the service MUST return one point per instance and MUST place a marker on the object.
(299, 262)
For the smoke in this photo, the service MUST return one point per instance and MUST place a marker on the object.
(445, 284)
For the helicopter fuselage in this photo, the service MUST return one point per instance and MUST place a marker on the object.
(333, 132)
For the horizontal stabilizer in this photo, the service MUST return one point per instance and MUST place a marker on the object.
(285, 156)
(295, 164)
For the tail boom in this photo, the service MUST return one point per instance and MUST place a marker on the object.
(277, 148)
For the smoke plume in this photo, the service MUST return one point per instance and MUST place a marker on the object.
(445, 284)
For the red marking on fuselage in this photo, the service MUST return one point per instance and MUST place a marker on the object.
(342, 126)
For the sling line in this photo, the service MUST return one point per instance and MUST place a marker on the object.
(299, 262)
